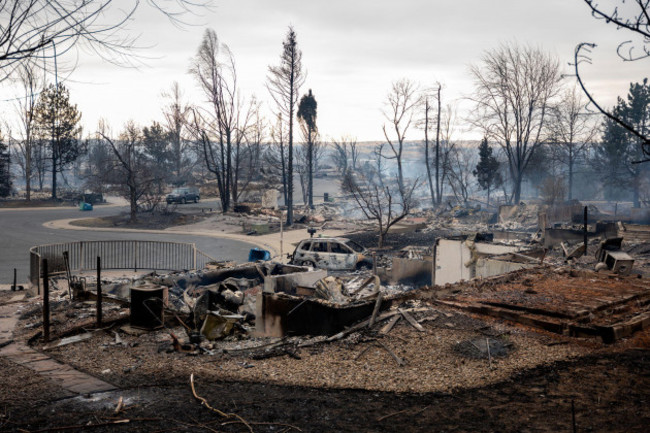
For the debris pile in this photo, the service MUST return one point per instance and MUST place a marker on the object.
(565, 301)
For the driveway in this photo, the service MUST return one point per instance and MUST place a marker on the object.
(23, 228)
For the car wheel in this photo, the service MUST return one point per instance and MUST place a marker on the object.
(196, 199)
(183, 201)
(364, 266)
(308, 263)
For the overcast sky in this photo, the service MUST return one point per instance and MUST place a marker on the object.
(352, 51)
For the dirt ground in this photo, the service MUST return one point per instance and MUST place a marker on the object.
(608, 394)
(350, 385)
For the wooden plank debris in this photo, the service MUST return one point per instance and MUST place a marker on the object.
(391, 323)
(360, 325)
(410, 319)
(373, 318)
(69, 340)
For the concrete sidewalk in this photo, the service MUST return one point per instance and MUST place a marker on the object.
(279, 244)
(73, 381)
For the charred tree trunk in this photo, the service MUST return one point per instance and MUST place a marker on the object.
(427, 159)
(438, 180)
(54, 164)
(310, 156)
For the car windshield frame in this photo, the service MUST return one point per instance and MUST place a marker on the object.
(357, 248)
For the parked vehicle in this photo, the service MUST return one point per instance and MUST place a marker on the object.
(331, 253)
(183, 195)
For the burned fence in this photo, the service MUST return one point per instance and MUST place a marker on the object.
(119, 254)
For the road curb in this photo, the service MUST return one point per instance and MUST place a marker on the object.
(270, 242)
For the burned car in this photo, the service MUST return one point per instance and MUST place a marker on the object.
(331, 253)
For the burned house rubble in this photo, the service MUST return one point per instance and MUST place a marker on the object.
(476, 305)
(468, 306)
(266, 299)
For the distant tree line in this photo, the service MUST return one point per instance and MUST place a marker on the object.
(538, 131)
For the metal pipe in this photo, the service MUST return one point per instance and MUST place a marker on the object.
(99, 292)
(585, 230)
(46, 303)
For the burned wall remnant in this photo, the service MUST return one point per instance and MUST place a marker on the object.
(413, 266)
(280, 314)
(457, 260)
(147, 307)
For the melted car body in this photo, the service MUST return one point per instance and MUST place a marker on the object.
(331, 253)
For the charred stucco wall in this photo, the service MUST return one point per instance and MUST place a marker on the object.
(458, 260)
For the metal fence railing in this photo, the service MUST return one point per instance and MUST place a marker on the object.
(124, 254)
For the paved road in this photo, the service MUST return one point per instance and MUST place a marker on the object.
(20, 229)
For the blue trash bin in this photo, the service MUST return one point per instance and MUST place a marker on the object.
(256, 254)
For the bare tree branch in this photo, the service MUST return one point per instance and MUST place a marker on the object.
(32, 30)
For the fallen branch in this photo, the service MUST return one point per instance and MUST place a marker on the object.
(120, 405)
(271, 345)
(80, 427)
(487, 344)
(289, 426)
(356, 358)
(402, 411)
(205, 403)
(400, 362)
(360, 325)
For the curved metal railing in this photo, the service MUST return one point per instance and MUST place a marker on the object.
(117, 254)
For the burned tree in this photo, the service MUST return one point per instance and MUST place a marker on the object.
(284, 82)
(571, 130)
(5, 169)
(440, 157)
(275, 158)
(99, 156)
(384, 202)
(346, 154)
(221, 130)
(435, 191)
(176, 114)
(25, 150)
(634, 18)
(400, 108)
(456, 161)
(247, 150)
(130, 169)
(156, 145)
(35, 31)
(514, 88)
(308, 164)
(307, 116)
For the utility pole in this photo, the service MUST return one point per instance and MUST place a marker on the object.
(55, 138)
